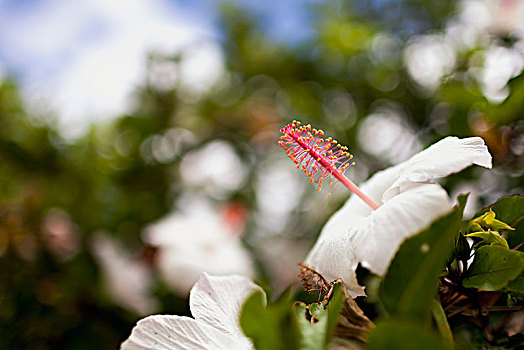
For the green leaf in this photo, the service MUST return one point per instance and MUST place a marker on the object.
(487, 221)
(493, 268)
(312, 321)
(256, 324)
(269, 327)
(462, 200)
(497, 225)
(508, 209)
(397, 334)
(517, 285)
(411, 281)
(442, 322)
(334, 308)
(489, 238)
(342, 324)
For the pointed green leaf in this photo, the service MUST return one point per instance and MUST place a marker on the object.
(411, 281)
(334, 308)
(489, 217)
(439, 316)
(462, 200)
(487, 221)
(498, 225)
(493, 268)
(489, 238)
(508, 209)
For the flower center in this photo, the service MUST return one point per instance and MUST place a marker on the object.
(319, 158)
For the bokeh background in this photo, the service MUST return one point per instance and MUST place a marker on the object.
(138, 139)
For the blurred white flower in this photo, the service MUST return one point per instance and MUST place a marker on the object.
(506, 15)
(407, 202)
(214, 167)
(279, 188)
(199, 241)
(428, 58)
(215, 303)
(127, 280)
(500, 65)
(394, 140)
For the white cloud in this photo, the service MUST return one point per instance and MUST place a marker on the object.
(85, 57)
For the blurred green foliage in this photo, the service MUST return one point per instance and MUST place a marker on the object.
(112, 180)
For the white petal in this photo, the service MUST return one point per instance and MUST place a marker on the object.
(355, 207)
(332, 255)
(406, 207)
(218, 300)
(166, 332)
(443, 158)
(376, 239)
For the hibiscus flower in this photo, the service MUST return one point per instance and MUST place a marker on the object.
(215, 303)
(407, 202)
